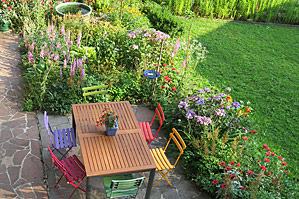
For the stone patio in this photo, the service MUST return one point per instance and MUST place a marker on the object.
(25, 163)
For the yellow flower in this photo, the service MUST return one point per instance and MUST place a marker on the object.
(229, 99)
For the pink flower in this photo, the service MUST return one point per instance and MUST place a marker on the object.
(177, 72)
(264, 168)
(250, 172)
(245, 138)
(286, 171)
(215, 181)
(174, 88)
(279, 157)
(284, 163)
(223, 186)
(222, 163)
(268, 154)
(160, 70)
(164, 65)
(228, 168)
(238, 164)
(155, 64)
(267, 160)
(243, 188)
(173, 69)
(232, 163)
(166, 68)
(265, 146)
(274, 179)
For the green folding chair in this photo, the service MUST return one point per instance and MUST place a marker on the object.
(122, 186)
(94, 90)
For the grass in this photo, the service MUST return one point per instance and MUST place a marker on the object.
(261, 65)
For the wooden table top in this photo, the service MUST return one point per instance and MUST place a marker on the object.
(125, 152)
(86, 115)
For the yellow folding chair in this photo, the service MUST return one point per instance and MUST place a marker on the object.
(94, 90)
(162, 161)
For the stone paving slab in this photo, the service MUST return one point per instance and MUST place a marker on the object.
(21, 169)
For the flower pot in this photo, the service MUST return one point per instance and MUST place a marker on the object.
(111, 131)
(4, 27)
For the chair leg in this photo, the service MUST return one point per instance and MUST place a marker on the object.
(163, 176)
(59, 180)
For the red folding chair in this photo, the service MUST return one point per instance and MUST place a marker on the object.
(72, 169)
(146, 127)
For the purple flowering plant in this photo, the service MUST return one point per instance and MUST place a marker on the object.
(207, 109)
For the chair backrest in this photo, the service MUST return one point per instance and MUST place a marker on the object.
(126, 187)
(93, 90)
(159, 112)
(178, 140)
(57, 163)
(47, 126)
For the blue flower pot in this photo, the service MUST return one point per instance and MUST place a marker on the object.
(111, 131)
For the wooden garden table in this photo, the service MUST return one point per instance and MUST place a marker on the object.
(127, 152)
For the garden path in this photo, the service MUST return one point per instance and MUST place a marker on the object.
(21, 171)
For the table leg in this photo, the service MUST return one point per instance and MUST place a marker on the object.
(88, 188)
(74, 124)
(150, 184)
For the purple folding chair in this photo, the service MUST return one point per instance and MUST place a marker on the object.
(64, 138)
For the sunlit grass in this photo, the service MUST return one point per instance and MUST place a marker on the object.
(261, 64)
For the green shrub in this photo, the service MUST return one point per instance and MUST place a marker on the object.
(162, 19)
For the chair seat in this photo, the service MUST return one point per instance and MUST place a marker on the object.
(74, 167)
(64, 138)
(146, 130)
(107, 184)
(161, 160)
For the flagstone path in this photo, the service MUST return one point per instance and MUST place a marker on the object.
(21, 171)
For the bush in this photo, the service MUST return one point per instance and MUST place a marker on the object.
(162, 19)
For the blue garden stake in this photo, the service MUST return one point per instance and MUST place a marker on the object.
(151, 74)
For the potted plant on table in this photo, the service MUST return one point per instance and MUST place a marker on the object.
(109, 119)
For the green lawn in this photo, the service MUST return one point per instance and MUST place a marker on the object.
(261, 64)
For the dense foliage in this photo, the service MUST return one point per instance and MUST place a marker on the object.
(69, 53)
(162, 19)
(278, 11)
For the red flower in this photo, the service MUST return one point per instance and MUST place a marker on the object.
(43, 7)
(268, 154)
(267, 160)
(274, 179)
(223, 186)
(269, 149)
(177, 72)
(165, 77)
(215, 181)
(245, 138)
(166, 68)
(228, 168)
(222, 163)
(42, 3)
(264, 168)
(51, 2)
(164, 82)
(173, 69)
(226, 196)
(243, 188)
(67, 0)
(233, 176)
(155, 64)
(163, 86)
(253, 131)
(287, 172)
(238, 164)
(280, 157)
(232, 163)
(169, 79)
(284, 163)
(265, 147)
(160, 70)
(250, 172)
(164, 64)
(8, 8)
(172, 63)
(174, 88)
(269, 173)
